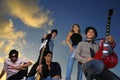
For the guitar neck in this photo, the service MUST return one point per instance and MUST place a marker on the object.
(109, 22)
(41, 55)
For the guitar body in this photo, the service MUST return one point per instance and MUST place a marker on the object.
(109, 60)
(105, 52)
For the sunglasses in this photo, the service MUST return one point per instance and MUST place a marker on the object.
(14, 56)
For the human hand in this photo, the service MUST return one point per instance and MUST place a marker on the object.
(39, 68)
(71, 49)
(89, 59)
(44, 36)
(17, 67)
(110, 39)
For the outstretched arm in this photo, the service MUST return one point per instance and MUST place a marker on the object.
(22, 67)
(2, 73)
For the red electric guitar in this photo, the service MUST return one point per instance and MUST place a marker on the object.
(109, 58)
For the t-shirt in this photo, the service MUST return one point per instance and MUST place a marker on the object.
(75, 39)
(8, 66)
(55, 70)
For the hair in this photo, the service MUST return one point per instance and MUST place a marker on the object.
(90, 27)
(47, 52)
(54, 30)
(13, 52)
(50, 35)
(77, 26)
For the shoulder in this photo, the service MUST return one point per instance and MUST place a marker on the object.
(82, 43)
(55, 63)
(22, 60)
(7, 60)
(70, 33)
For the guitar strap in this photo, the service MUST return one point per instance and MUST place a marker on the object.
(92, 52)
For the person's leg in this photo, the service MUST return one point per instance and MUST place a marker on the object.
(20, 75)
(48, 78)
(93, 68)
(79, 77)
(107, 75)
(70, 63)
(86, 71)
(55, 79)
(31, 78)
(33, 70)
(14, 77)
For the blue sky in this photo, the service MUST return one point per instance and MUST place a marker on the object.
(23, 23)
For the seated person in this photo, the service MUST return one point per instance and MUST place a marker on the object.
(15, 67)
(49, 70)
(49, 47)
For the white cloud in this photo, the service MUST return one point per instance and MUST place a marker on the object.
(29, 12)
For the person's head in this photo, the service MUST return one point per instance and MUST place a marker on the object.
(54, 32)
(13, 55)
(75, 28)
(48, 56)
(91, 33)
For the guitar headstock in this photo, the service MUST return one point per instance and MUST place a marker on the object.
(43, 44)
(110, 12)
(109, 21)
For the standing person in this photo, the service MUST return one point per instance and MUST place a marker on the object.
(49, 47)
(72, 39)
(49, 70)
(16, 68)
(85, 53)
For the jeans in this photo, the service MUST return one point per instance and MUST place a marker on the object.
(31, 78)
(70, 63)
(93, 68)
(48, 78)
(79, 77)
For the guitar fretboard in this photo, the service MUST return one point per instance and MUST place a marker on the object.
(109, 21)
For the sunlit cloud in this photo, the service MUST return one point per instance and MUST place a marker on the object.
(2, 59)
(29, 12)
(9, 37)
(1, 44)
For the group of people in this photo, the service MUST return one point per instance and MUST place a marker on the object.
(83, 51)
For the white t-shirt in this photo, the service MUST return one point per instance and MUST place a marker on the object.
(8, 63)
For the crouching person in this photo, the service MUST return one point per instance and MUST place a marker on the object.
(15, 67)
(50, 70)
